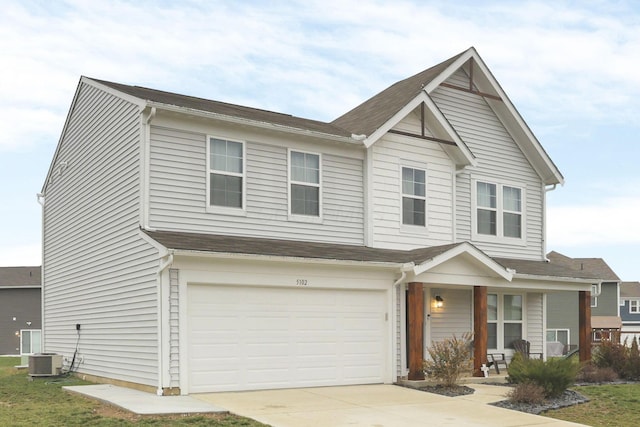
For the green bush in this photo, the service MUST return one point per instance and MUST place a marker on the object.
(553, 375)
(450, 358)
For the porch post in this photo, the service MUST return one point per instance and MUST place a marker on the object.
(415, 334)
(584, 325)
(479, 329)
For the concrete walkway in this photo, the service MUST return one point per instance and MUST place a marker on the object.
(376, 406)
(366, 405)
(140, 402)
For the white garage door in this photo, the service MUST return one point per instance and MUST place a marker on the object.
(249, 338)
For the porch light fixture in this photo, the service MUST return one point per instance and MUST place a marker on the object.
(439, 301)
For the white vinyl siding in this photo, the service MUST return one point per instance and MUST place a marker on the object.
(499, 159)
(454, 318)
(98, 272)
(178, 192)
(388, 156)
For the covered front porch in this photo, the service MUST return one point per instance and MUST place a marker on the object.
(498, 300)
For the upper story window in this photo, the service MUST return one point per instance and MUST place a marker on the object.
(413, 196)
(634, 306)
(594, 295)
(304, 184)
(499, 210)
(226, 173)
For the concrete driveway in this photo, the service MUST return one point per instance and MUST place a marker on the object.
(375, 406)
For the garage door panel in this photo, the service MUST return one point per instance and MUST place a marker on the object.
(243, 337)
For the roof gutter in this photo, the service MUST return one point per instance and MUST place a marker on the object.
(307, 260)
(353, 139)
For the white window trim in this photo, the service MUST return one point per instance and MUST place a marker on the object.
(499, 237)
(413, 228)
(22, 331)
(500, 320)
(595, 291)
(556, 330)
(226, 210)
(637, 306)
(297, 217)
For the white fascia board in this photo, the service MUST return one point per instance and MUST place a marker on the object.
(253, 123)
(162, 250)
(465, 248)
(452, 68)
(559, 283)
(254, 257)
(423, 97)
(511, 119)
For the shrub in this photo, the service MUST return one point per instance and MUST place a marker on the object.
(624, 360)
(526, 392)
(611, 355)
(449, 359)
(590, 373)
(553, 375)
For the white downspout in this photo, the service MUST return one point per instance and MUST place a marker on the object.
(398, 330)
(145, 169)
(40, 197)
(544, 218)
(168, 260)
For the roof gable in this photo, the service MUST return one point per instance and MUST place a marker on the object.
(378, 114)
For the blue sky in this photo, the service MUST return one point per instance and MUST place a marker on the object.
(571, 69)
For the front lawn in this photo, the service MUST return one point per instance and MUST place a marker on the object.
(611, 405)
(42, 402)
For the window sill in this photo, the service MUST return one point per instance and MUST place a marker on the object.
(305, 218)
(485, 238)
(221, 210)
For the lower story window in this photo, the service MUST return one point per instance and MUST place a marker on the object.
(504, 320)
(30, 341)
(558, 335)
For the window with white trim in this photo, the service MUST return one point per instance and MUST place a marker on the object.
(30, 341)
(634, 306)
(413, 196)
(559, 335)
(226, 173)
(594, 295)
(505, 314)
(499, 210)
(304, 184)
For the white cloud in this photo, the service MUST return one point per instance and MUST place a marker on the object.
(613, 221)
(20, 255)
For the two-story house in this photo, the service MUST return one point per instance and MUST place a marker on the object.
(630, 311)
(20, 305)
(562, 306)
(202, 246)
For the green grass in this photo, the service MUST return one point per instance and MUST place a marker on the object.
(42, 402)
(610, 405)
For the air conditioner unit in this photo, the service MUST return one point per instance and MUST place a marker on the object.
(45, 364)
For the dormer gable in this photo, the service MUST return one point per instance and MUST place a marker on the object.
(378, 115)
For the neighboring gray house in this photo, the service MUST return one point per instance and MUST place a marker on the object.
(630, 310)
(20, 310)
(203, 246)
(562, 307)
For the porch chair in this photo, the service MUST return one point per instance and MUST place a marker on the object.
(497, 359)
(524, 347)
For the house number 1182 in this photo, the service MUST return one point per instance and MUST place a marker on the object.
(302, 282)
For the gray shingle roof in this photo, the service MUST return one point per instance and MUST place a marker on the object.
(595, 267)
(314, 250)
(19, 276)
(225, 109)
(291, 248)
(630, 290)
(373, 113)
